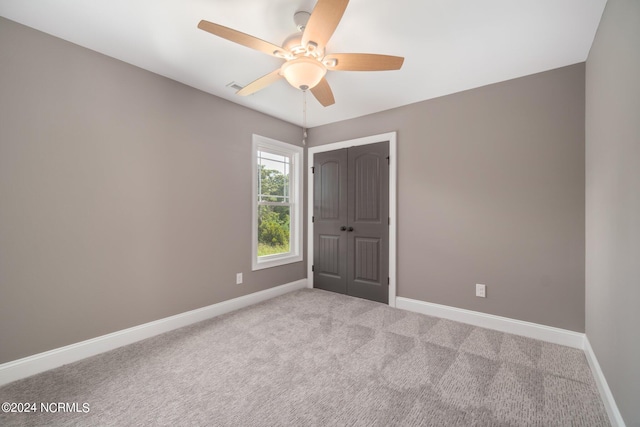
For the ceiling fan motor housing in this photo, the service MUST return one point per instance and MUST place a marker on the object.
(293, 44)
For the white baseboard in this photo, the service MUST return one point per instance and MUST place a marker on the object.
(615, 418)
(499, 323)
(31, 365)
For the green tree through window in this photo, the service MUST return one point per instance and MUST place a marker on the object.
(274, 210)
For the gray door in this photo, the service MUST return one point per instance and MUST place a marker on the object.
(351, 221)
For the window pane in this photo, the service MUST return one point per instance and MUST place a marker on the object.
(273, 177)
(273, 230)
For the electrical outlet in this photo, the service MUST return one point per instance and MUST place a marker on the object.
(481, 290)
(238, 278)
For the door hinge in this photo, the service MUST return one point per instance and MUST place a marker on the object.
(313, 219)
(313, 268)
(388, 281)
(388, 160)
(313, 169)
(389, 221)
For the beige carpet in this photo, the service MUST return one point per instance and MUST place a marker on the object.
(317, 358)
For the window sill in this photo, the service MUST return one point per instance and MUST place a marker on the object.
(275, 262)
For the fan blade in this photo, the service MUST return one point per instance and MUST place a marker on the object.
(323, 21)
(363, 62)
(322, 92)
(242, 38)
(260, 83)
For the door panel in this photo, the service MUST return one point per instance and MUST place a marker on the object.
(367, 260)
(366, 187)
(329, 255)
(330, 214)
(329, 174)
(351, 228)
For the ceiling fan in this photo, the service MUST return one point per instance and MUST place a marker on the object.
(306, 62)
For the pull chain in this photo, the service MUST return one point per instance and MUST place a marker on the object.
(304, 117)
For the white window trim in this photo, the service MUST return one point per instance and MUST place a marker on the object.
(295, 192)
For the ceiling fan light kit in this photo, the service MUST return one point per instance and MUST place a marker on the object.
(303, 72)
(305, 63)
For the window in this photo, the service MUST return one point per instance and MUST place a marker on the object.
(277, 208)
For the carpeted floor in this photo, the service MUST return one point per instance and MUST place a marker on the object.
(317, 358)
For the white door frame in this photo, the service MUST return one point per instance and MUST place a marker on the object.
(393, 161)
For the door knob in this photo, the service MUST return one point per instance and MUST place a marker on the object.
(350, 229)
(343, 228)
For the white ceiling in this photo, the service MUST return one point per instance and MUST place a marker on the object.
(448, 45)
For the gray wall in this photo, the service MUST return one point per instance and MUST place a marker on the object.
(613, 202)
(491, 190)
(124, 196)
